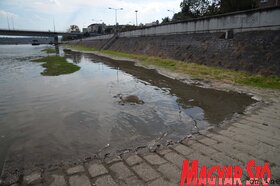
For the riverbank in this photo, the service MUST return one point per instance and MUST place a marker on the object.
(255, 52)
(162, 165)
(262, 87)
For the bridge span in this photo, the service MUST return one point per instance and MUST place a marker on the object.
(54, 34)
(36, 33)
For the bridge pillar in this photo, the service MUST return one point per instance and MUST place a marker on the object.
(56, 40)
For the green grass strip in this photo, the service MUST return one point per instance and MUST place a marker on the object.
(196, 70)
(56, 65)
(49, 50)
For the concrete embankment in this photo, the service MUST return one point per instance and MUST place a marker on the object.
(246, 40)
(254, 51)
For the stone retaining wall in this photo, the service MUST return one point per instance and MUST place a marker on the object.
(254, 51)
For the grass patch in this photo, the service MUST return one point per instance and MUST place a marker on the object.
(125, 55)
(80, 48)
(261, 81)
(196, 70)
(56, 65)
(49, 50)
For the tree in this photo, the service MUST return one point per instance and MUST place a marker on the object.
(236, 5)
(199, 8)
(165, 20)
(74, 28)
(213, 8)
(194, 8)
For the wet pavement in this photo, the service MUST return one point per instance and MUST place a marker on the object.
(253, 136)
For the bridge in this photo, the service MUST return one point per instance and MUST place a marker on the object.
(54, 34)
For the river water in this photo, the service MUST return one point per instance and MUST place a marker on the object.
(47, 120)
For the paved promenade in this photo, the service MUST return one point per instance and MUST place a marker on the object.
(254, 136)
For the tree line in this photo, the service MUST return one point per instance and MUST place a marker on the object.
(199, 8)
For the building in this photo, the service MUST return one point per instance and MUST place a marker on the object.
(96, 28)
(152, 24)
(85, 30)
(110, 29)
(268, 3)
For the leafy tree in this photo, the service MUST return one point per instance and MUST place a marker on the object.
(199, 8)
(213, 8)
(236, 5)
(194, 8)
(181, 16)
(74, 28)
(165, 20)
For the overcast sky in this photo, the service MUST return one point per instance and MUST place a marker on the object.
(40, 14)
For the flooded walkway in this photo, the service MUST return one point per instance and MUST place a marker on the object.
(255, 136)
(105, 110)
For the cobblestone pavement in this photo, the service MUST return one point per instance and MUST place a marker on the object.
(254, 136)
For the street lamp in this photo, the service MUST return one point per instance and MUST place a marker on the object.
(173, 11)
(116, 12)
(97, 20)
(136, 11)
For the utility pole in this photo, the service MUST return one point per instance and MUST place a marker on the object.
(13, 22)
(8, 22)
(53, 25)
(136, 11)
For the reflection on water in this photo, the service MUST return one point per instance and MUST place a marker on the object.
(76, 57)
(45, 120)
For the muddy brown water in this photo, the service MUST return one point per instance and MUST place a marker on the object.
(61, 119)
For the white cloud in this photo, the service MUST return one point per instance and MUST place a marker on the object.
(66, 6)
(81, 12)
(57, 2)
(7, 14)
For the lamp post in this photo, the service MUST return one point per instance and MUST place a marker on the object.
(136, 11)
(53, 25)
(116, 13)
(97, 20)
(8, 22)
(173, 11)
